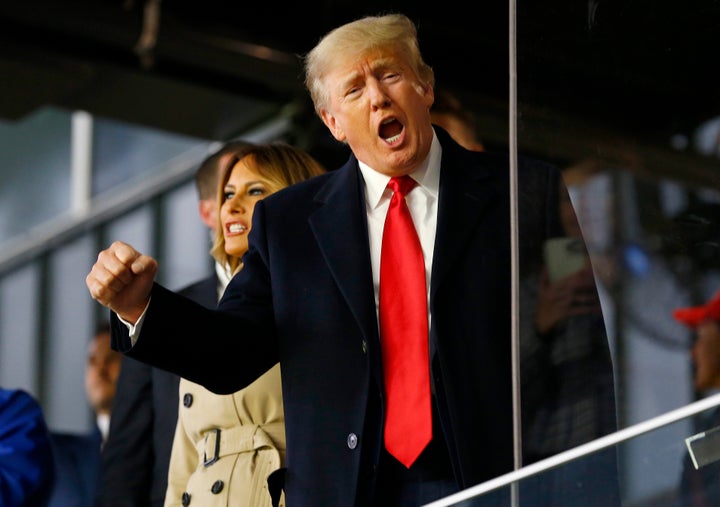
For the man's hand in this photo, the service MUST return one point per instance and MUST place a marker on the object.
(121, 279)
(576, 294)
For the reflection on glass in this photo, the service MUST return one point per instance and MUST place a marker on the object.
(640, 161)
(660, 472)
(566, 369)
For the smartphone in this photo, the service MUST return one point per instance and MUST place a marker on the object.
(564, 256)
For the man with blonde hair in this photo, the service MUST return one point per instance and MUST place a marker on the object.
(388, 276)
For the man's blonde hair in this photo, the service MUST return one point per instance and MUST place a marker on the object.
(395, 31)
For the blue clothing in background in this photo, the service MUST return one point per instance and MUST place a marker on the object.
(26, 460)
(77, 464)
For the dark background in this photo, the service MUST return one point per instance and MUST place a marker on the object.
(588, 71)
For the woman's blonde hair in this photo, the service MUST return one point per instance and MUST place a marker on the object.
(353, 39)
(279, 163)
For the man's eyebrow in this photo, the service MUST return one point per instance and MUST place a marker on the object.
(384, 63)
(349, 79)
(379, 65)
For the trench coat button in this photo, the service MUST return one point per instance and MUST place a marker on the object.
(185, 499)
(364, 347)
(217, 487)
(187, 400)
(352, 441)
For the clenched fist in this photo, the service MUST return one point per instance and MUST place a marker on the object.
(121, 279)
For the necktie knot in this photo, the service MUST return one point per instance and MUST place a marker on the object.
(401, 185)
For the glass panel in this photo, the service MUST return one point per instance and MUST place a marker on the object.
(566, 370)
(619, 97)
(658, 470)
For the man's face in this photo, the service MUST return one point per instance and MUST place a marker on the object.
(379, 107)
(705, 355)
(101, 373)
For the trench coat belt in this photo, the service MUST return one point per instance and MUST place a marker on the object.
(258, 439)
(221, 442)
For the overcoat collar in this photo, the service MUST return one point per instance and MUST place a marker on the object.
(340, 228)
(466, 190)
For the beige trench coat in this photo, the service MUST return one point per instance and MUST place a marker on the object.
(226, 445)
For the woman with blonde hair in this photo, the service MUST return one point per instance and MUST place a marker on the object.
(226, 446)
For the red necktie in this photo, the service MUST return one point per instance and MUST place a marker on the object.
(404, 331)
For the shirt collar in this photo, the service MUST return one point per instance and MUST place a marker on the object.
(224, 276)
(103, 424)
(427, 175)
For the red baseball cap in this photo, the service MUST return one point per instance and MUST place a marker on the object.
(694, 315)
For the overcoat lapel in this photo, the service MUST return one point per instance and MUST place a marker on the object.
(467, 189)
(342, 208)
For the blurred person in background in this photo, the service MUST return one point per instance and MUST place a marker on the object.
(449, 113)
(101, 376)
(701, 487)
(77, 456)
(567, 373)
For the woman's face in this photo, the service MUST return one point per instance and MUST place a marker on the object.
(242, 190)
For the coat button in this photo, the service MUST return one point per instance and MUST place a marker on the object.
(185, 499)
(187, 399)
(352, 441)
(217, 487)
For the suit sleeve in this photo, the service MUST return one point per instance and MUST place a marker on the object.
(169, 339)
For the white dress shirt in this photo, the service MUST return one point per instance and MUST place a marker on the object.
(422, 202)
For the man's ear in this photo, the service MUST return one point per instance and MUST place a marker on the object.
(429, 94)
(334, 127)
(207, 211)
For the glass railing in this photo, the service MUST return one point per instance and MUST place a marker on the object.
(671, 460)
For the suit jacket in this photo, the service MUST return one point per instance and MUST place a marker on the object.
(136, 456)
(305, 298)
(77, 466)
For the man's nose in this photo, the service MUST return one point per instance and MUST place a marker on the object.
(378, 96)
